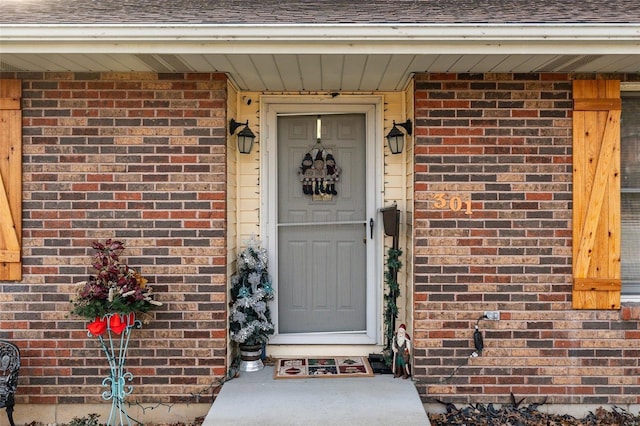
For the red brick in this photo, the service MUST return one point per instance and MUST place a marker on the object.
(100, 166)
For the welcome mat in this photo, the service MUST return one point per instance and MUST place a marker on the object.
(330, 367)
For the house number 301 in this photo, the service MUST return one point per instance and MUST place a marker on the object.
(453, 203)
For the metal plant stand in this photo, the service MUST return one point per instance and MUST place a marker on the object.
(114, 342)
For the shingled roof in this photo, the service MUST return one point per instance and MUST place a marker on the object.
(84, 12)
(322, 45)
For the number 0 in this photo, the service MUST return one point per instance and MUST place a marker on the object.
(455, 204)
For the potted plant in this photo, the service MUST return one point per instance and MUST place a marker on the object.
(250, 322)
(110, 300)
(116, 293)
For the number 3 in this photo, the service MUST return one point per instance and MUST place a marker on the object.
(441, 202)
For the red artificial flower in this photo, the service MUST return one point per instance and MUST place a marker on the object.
(116, 324)
(97, 327)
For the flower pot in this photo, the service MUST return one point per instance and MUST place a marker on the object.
(250, 358)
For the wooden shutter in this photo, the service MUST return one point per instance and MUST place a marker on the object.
(10, 180)
(596, 194)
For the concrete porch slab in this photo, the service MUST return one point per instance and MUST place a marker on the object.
(256, 398)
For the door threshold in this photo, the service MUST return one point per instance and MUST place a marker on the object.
(324, 338)
(280, 351)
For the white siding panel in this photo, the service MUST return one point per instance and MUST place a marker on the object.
(443, 63)
(353, 71)
(375, 67)
(397, 72)
(310, 72)
(289, 69)
(332, 68)
(269, 72)
(247, 69)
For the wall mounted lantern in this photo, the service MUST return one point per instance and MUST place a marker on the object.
(395, 138)
(245, 136)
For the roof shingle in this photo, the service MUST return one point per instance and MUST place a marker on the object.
(89, 12)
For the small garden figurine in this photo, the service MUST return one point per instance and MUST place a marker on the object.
(401, 353)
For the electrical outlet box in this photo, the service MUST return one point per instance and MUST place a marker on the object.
(492, 315)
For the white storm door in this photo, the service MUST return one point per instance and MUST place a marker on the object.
(322, 241)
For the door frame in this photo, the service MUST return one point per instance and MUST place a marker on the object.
(372, 108)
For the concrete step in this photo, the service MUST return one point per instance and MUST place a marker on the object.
(256, 398)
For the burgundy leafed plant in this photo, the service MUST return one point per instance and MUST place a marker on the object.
(116, 288)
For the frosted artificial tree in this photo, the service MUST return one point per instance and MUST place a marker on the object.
(250, 322)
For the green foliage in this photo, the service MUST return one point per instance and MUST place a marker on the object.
(116, 288)
(390, 298)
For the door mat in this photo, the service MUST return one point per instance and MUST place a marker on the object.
(339, 366)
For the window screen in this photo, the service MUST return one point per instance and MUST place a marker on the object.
(630, 197)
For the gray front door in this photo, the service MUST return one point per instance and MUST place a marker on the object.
(322, 254)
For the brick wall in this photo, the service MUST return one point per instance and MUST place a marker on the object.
(140, 158)
(503, 141)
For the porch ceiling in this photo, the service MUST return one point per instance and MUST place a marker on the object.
(309, 58)
(327, 72)
(302, 72)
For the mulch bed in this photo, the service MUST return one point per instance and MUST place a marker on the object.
(517, 414)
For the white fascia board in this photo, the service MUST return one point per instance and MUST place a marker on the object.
(311, 32)
(319, 39)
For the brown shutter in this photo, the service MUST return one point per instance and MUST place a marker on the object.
(596, 194)
(10, 180)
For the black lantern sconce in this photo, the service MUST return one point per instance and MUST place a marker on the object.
(245, 136)
(395, 138)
